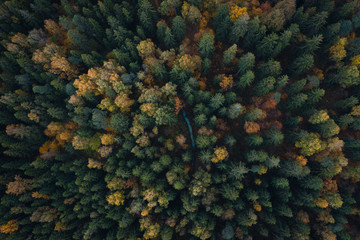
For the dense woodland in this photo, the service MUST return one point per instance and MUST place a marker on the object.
(174, 119)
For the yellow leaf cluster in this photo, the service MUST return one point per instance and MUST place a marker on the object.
(107, 139)
(148, 108)
(33, 117)
(185, 9)
(19, 185)
(61, 66)
(123, 102)
(60, 227)
(10, 227)
(116, 198)
(355, 61)
(337, 51)
(319, 73)
(178, 105)
(143, 141)
(220, 153)
(152, 231)
(319, 117)
(257, 206)
(355, 110)
(94, 164)
(322, 203)
(116, 184)
(310, 144)
(84, 85)
(263, 170)
(301, 160)
(190, 63)
(226, 82)
(237, 12)
(40, 195)
(146, 48)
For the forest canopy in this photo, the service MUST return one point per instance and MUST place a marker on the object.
(172, 119)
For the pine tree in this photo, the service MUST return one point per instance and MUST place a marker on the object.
(274, 137)
(147, 17)
(264, 86)
(229, 54)
(269, 68)
(238, 30)
(301, 64)
(178, 28)
(222, 23)
(246, 79)
(256, 31)
(169, 39)
(246, 62)
(206, 45)
(217, 101)
(265, 48)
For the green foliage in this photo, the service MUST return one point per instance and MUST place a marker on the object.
(238, 30)
(206, 45)
(301, 64)
(178, 28)
(119, 122)
(229, 54)
(179, 120)
(264, 86)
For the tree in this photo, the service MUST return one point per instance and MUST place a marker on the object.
(229, 54)
(310, 144)
(147, 17)
(99, 119)
(319, 117)
(256, 31)
(169, 39)
(239, 29)
(296, 101)
(329, 128)
(165, 116)
(274, 137)
(217, 101)
(222, 23)
(253, 140)
(238, 170)
(315, 23)
(276, 17)
(337, 51)
(246, 62)
(246, 79)
(264, 86)
(206, 45)
(269, 68)
(253, 115)
(301, 64)
(228, 232)
(346, 76)
(234, 110)
(146, 48)
(9, 227)
(266, 46)
(160, 32)
(79, 40)
(237, 12)
(178, 28)
(19, 185)
(194, 14)
(220, 154)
